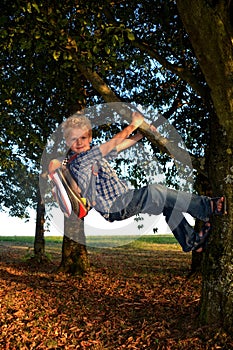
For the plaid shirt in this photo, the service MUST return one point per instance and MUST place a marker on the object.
(108, 186)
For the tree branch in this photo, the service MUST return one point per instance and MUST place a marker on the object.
(145, 47)
(172, 149)
(182, 72)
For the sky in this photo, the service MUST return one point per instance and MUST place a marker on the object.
(94, 225)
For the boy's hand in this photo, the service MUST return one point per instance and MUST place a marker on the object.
(137, 119)
(153, 128)
(120, 138)
(53, 165)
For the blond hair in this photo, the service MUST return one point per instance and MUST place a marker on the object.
(77, 120)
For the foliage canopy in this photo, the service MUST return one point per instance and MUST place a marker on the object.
(144, 56)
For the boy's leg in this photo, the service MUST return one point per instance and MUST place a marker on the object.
(181, 229)
(157, 199)
(200, 207)
(153, 199)
(140, 201)
(203, 236)
(197, 206)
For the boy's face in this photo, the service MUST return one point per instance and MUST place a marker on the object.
(79, 140)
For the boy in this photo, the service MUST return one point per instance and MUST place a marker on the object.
(114, 200)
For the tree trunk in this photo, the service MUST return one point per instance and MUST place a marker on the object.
(74, 253)
(39, 243)
(210, 28)
(217, 292)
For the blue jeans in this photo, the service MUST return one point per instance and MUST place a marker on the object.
(156, 199)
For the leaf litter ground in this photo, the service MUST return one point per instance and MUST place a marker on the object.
(131, 299)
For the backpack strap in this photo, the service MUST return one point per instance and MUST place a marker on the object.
(94, 174)
(66, 190)
(79, 204)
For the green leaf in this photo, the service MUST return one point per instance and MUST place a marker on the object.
(130, 36)
(29, 7)
(36, 7)
(95, 49)
(107, 50)
(56, 55)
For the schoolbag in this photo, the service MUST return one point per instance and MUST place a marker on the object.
(66, 191)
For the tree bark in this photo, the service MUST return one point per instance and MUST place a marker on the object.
(210, 28)
(74, 253)
(39, 243)
(75, 259)
(217, 291)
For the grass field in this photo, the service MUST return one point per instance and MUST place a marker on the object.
(101, 241)
(135, 296)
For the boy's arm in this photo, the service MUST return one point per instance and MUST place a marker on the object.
(129, 142)
(137, 120)
(132, 140)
